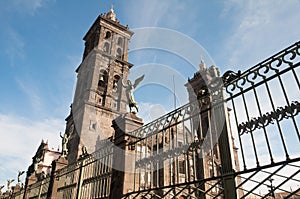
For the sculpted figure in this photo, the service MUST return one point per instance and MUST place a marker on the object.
(64, 142)
(129, 93)
(19, 175)
(44, 175)
(84, 152)
(1, 187)
(36, 164)
(8, 183)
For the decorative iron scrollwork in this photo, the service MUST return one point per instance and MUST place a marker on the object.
(268, 118)
(168, 120)
(235, 82)
(229, 76)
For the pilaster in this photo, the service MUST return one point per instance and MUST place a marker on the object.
(123, 161)
(58, 164)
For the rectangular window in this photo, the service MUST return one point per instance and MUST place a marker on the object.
(181, 167)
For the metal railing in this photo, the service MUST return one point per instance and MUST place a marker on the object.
(178, 155)
(265, 105)
(90, 177)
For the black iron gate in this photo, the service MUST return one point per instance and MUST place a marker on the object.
(241, 140)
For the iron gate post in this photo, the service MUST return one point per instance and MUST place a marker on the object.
(220, 112)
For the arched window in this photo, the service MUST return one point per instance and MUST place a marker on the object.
(119, 53)
(106, 47)
(102, 78)
(120, 41)
(107, 35)
(116, 81)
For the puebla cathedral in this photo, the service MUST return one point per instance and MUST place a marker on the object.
(108, 152)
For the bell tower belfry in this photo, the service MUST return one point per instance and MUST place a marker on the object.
(99, 96)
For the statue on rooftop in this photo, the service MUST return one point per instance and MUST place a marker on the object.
(19, 175)
(64, 142)
(8, 183)
(36, 164)
(84, 152)
(1, 187)
(129, 93)
(43, 175)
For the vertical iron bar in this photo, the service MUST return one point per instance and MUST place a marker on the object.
(163, 159)
(157, 161)
(79, 183)
(226, 146)
(251, 133)
(176, 146)
(146, 165)
(293, 119)
(140, 167)
(135, 169)
(40, 190)
(297, 80)
(210, 124)
(192, 149)
(170, 159)
(152, 164)
(264, 128)
(277, 122)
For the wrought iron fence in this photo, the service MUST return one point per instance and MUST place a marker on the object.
(15, 195)
(39, 189)
(265, 106)
(18, 195)
(178, 155)
(90, 177)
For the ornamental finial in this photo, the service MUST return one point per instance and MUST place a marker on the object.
(202, 64)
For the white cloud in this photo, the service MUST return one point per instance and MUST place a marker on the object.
(27, 6)
(31, 93)
(151, 11)
(167, 14)
(15, 46)
(20, 140)
(24, 6)
(260, 29)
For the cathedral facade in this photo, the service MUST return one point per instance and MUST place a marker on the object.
(90, 165)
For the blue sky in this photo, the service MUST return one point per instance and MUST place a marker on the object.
(41, 46)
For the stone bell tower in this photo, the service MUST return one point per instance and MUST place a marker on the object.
(99, 96)
(212, 161)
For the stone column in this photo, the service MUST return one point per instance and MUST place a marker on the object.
(58, 164)
(123, 157)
